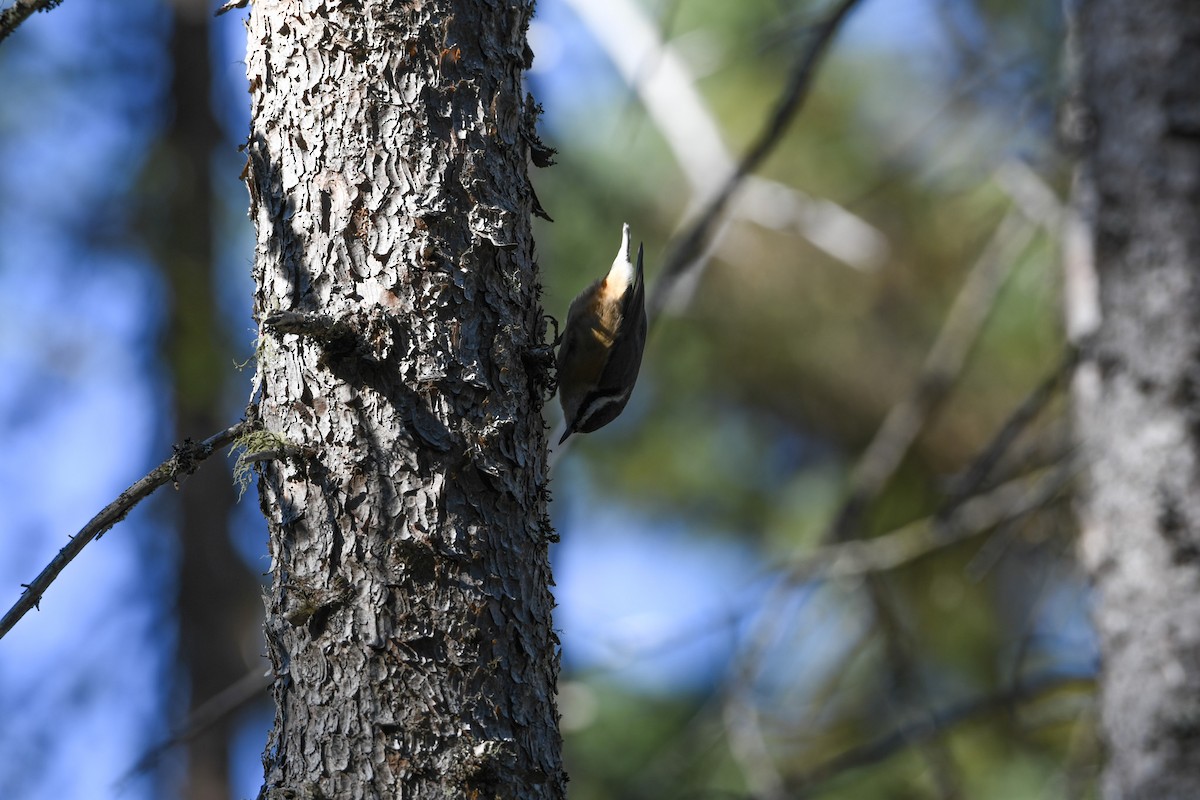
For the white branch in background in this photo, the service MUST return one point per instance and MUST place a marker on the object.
(1069, 225)
(1031, 195)
(668, 93)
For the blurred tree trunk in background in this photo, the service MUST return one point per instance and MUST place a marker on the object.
(1137, 395)
(409, 612)
(218, 600)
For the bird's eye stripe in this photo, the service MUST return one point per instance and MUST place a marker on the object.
(598, 404)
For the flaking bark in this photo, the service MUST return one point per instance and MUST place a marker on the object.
(409, 610)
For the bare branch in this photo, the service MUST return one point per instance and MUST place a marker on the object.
(933, 727)
(692, 244)
(868, 559)
(852, 560)
(861, 557)
(184, 462)
(973, 477)
(903, 424)
(230, 6)
(943, 364)
(842, 557)
(20, 11)
(667, 89)
(233, 697)
(748, 746)
(735, 712)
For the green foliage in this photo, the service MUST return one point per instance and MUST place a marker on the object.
(760, 393)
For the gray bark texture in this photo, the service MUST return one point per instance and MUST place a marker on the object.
(1137, 393)
(409, 614)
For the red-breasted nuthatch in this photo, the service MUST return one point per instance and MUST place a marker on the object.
(602, 344)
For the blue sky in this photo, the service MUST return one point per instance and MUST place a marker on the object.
(81, 413)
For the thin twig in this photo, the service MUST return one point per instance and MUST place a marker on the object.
(933, 727)
(692, 244)
(654, 69)
(968, 482)
(184, 462)
(943, 364)
(903, 149)
(233, 697)
(748, 745)
(895, 437)
(20, 11)
(861, 557)
(691, 247)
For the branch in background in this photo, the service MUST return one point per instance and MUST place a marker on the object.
(1040, 207)
(943, 365)
(969, 481)
(904, 422)
(20, 11)
(696, 244)
(748, 745)
(234, 697)
(184, 462)
(654, 69)
(995, 509)
(692, 244)
(941, 370)
(1031, 195)
(869, 559)
(933, 727)
(908, 144)
(1004, 504)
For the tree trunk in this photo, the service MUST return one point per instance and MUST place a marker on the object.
(409, 612)
(1137, 394)
(217, 600)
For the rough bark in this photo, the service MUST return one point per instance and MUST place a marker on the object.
(409, 611)
(1137, 396)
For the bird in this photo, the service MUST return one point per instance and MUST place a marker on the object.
(602, 342)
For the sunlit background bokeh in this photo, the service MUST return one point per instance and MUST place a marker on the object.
(693, 667)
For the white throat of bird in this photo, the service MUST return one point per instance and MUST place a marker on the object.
(621, 274)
